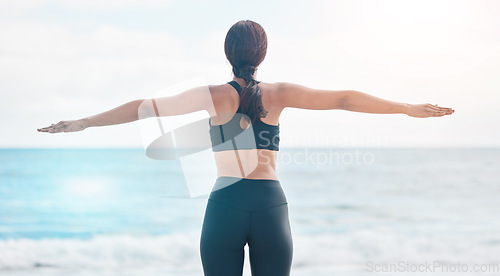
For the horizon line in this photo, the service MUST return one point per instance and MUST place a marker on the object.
(281, 148)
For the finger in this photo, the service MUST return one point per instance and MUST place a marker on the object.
(51, 125)
(48, 129)
(443, 108)
(438, 108)
(434, 107)
(55, 130)
(45, 129)
(436, 113)
(446, 110)
(443, 113)
(431, 110)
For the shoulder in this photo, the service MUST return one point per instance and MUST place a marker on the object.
(281, 88)
(271, 90)
(223, 94)
(281, 92)
(219, 90)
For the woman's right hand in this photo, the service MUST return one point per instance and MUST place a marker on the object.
(65, 126)
(427, 110)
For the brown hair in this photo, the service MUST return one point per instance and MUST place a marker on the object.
(246, 47)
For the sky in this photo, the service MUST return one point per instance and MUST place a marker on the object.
(65, 60)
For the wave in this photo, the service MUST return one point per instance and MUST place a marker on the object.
(325, 252)
(101, 252)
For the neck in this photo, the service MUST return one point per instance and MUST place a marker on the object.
(241, 81)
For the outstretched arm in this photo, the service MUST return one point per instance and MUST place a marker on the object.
(189, 101)
(292, 95)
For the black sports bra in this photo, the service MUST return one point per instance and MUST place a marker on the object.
(231, 136)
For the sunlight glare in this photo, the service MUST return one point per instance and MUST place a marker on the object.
(87, 187)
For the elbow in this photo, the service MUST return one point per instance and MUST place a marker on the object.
(145, 109)
(345, 101)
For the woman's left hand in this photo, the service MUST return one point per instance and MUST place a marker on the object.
(65, 126)
(427, 110)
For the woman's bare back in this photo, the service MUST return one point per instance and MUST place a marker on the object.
(248, 163)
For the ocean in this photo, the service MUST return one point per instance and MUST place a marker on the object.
(353, 211)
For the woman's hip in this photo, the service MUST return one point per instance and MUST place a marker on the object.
(248, 194)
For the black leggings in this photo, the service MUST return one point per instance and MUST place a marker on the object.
(253, 211)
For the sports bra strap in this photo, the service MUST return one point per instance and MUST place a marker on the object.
(236, 86)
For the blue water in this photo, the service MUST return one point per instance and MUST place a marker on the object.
(87, 212)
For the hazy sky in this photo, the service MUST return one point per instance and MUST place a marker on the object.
(62, 60)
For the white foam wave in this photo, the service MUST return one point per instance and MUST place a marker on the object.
(101, 252)
(319, 254)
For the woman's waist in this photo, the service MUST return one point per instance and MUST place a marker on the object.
(248, 193)
(252, 164)
(254, 157)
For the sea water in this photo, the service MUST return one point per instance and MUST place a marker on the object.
(352, 212)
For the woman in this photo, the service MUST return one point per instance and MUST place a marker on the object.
(248, 205)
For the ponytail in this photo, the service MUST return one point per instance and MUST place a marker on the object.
(251, 98)
(246, 47)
